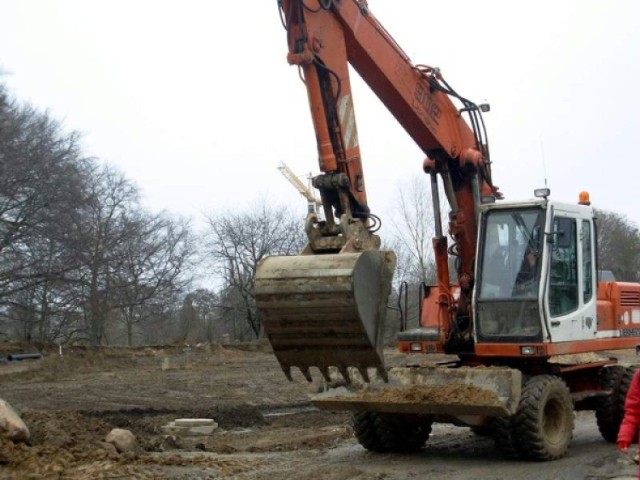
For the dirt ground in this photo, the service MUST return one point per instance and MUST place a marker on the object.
(268, 428)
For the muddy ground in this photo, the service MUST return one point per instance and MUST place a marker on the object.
(267, 426)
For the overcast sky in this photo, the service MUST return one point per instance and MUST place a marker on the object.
(195, 102)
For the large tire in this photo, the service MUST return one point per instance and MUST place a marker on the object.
(543, 423)
(390, 432)
(610, 409)
(503, 436)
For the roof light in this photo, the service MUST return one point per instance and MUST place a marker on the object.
(583, 198)
(542, 192)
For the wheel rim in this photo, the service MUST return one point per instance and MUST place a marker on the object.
(554, 421)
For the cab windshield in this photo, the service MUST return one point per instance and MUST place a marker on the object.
(511, 254)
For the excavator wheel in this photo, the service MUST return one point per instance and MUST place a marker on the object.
(503, 437)
(391, 432)
(610, 409)
(543, 422)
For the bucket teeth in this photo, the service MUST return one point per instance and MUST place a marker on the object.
(325, 374)
(364, 374)
(383, 373)
(287, 373)
(345, 374)
(306, 374)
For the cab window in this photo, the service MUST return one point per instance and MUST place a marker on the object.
(587, 264)
(563, 282)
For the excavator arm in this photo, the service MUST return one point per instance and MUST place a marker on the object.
(324, 38)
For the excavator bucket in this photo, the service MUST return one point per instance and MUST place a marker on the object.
(457, 392)
(326, 310)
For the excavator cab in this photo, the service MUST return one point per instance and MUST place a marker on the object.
(535, 274)
(509, 274)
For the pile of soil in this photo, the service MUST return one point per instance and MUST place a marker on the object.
(70, 445)
(441, 395)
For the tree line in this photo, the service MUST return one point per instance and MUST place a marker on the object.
(82, 261)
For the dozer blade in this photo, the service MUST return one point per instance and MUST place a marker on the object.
(326, 310)
(465, 391)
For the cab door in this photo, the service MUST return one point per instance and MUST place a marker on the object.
(570, 300)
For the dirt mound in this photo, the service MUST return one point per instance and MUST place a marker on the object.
(48, 461)
(82, 462)
(64, 444)
(70, 445)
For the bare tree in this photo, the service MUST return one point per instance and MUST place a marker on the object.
(40, 182)
(410, 237)
(413, 230)
(236, 242)
(618, 246)
(164, 325)
(47, 311)
(101, 231)
(153, 266)
(77, 253)
(200, 317)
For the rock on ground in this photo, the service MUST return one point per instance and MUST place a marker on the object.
(122, 439)
(11, 425)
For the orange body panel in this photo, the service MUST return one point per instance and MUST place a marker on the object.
(542, 350)
(425, 347)
(550, 349)
(435, 309)
(618, 310)
(619, 307)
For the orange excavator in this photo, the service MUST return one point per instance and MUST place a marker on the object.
(527, 326)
